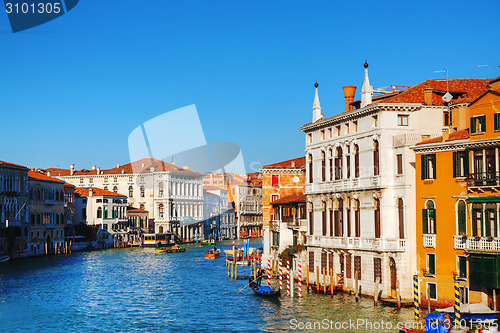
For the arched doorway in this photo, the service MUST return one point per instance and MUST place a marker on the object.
(392, 267)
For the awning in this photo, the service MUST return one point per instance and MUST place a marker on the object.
(483, 199)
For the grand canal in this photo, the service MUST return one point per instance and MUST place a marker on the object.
(137, 290)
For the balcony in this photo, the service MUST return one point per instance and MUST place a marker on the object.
(429, 240)
(483, 180)
(358, 243)
(477, 243)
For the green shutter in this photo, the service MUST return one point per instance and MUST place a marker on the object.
(432, 263)
(462, 266)
(455, 164)
(495, 233)
(424, 221)
(474, 222)
(495, 118)
(433, 161)
(483, 123)
(472, 125)
(433, 214)
(466, 163)
(462, 226)
(423, 166)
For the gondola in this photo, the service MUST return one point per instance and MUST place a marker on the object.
(263, 291)
(4, 258)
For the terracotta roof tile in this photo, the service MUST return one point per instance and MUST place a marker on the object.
(291, 198)
(458, 135)
(299, 163)
(96, 192)
(136, 210)
(11, 164)
(41, 176)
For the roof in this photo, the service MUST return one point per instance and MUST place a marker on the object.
(463, 91)
(11, 164)
(136, 210)
(291, 198)
(141, 166)
(96, 192)
(214, 188)
(40, 176)
(484, 94)
(299, 163)
(458, 135)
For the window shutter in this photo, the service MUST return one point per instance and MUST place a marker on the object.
(495, 118)
(474, 222)
(424, 221)
(495, 233)
(463, 266)
(461, 222)
(483, 124)
(435, 223)
(433, 161)
(455, 164)
(423, 167)
(472, 125)
(432, 264)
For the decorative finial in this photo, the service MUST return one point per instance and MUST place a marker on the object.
(366, 64)
(316, 84)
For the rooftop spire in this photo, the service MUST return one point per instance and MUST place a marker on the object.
(316, 106)
(366, 89)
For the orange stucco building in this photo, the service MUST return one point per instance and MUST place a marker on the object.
(458, 205)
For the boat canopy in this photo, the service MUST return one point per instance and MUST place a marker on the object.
(475, 308)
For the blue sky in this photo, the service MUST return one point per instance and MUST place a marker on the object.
(73, 89)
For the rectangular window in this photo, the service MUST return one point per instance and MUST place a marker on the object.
(322, 134)
(431, 263)
(432, 291)
(330, 132)
(337, 130)
(324, 259)
(377, 269)
(447, 119)
(399, 162)
(347, 128)
(81, 180)
(428, 166)
(311, 222)
(105, 180)
(275, 180)
(496, 118)
(429, 221)
(311, 262)
(462, 266)
(309, 138)
(375, 121)
(348, 269)
(460, 164)
(357, 266)
(478, 124)
(402, 120)
(274, 197)
(355, 124)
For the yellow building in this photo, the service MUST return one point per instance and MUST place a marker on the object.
(458, 204)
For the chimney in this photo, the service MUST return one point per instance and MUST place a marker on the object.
(98, 170)
(152, 169)
(428, 96)
(93, 167)
(142, 165)
(48, 173)
(172, 162)
(90, 193)
(425, 137)
(349, 92)
(117, 164)
(446, 133)
(185, 167)
(72, 169)
(123, 171)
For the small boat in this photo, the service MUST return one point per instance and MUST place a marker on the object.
(212, 254)
(4, 258)
(208, 242)
(264, 291)
(170, 249)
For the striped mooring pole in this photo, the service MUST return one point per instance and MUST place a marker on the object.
(300, 280)
(269, 271)
(281, 275)
(416, 306)
(457, 303)
(288, 278)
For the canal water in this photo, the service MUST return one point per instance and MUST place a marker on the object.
(137, 290)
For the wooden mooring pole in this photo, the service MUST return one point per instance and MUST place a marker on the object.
(375, 295)
(317, 280)
(331, 281)
(307, 278)
(356, 285)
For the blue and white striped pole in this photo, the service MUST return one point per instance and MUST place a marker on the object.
(416, 305)
(457, 303)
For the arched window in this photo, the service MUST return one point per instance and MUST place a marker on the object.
(490, 221)
(323, 166)
(105, 188)
(160, 189)
(160, 210)
(401, 219)
(338, 164)
(461, 219)
(429, 218)
(310, 168)
(377, 217)
(143, 190)
(330, 153)
(376, 161)
(339, 223)
(141, 206)
(115, 189)
(130, 191)
(323, 218)
(99, 212)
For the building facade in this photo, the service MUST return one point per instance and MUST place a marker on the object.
(14, 210)
(458, 207)
(279, 180)
(360, 182)
(173, 195)
(249, 211)
(48, 217)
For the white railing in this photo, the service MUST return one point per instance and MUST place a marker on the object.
(357, 243)
(429, 240)
(477, 243)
